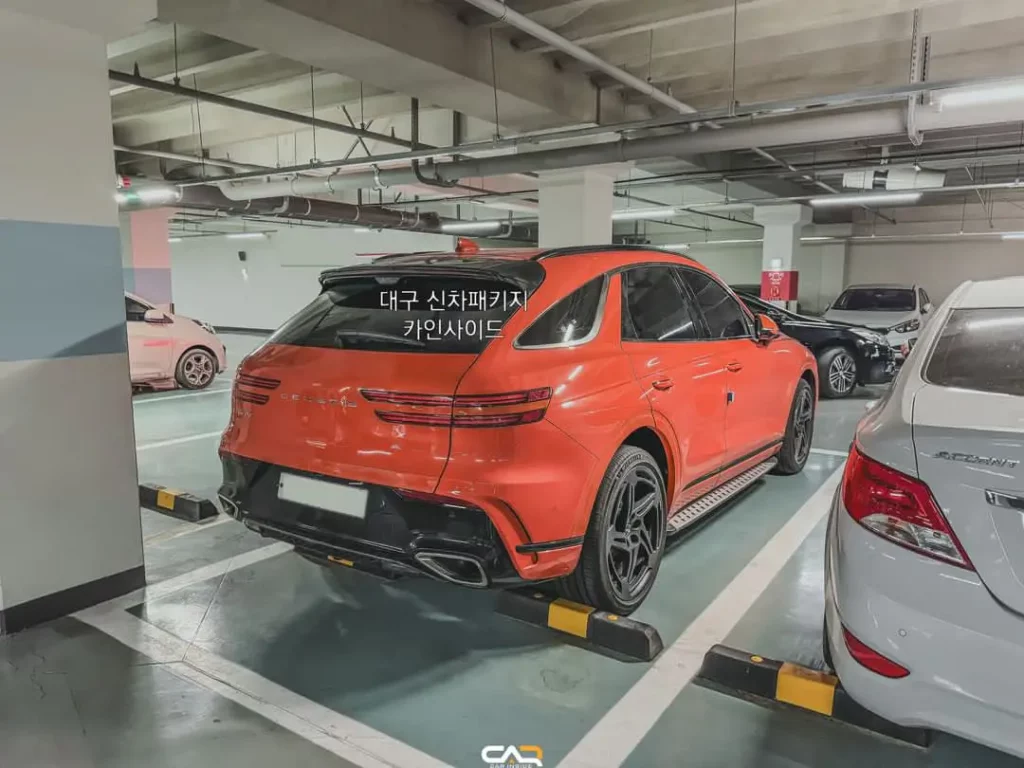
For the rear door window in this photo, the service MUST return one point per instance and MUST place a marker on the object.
(573, 320)
(722, 313)
(406, 313)
(655, 307)
(980, 349)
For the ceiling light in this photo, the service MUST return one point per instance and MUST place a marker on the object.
(247, 236)
(833, 201)
(816, 239)
(643, 213)
(993, 95)
(174, 240)
(675, 246)
(362, 230)
(732, 242)
(121, 197)
(473, 227)
(1013, 236)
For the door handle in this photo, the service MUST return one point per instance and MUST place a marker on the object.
(662, 384)
(734, 366)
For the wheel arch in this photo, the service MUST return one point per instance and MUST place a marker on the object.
(650, 440)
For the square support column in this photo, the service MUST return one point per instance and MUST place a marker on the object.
(70, 530)
(576, 207)
(146, 255)
(783, 224)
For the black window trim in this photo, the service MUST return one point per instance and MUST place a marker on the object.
(744, 310)
(591, 334)
(141, 318)
(687, 293)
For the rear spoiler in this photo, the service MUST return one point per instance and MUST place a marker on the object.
(525, 275)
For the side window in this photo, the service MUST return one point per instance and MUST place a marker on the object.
(655, 308)
(573, 320)
(134, 311)
(723, 314)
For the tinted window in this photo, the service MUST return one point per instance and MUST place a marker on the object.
(405, 313)
(133, 310)
(980, 349)
(654, 307)
(723, 314)
(570, 320)
(876, 300)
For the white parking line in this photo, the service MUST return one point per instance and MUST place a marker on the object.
(829, 452)
(168, 398)
(610, 742)
(184, 530)
(334, 732)
(179, 440)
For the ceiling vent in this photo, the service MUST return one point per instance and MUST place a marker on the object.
(894, 179)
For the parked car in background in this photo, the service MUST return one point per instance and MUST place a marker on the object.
(847, 355)
(493, 418)
(898, 311)
(165, 350)
(924, 568)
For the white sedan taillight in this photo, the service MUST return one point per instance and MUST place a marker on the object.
(899, 508)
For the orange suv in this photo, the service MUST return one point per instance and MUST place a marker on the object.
(497, 417)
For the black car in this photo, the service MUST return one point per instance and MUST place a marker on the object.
(847, 354)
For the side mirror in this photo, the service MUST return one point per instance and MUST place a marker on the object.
(155, 316)
(766, 329)
(927, 308)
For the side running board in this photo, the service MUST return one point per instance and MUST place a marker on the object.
(709, 502)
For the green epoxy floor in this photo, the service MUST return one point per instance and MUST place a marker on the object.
(426, 665)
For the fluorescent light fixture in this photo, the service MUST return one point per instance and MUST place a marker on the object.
(362, 230)
(247, 236)
(675, 246)
(174, 240)
(835, 201)
(635, 214)
(158, 194)
(121, 198)
(1013, 236)
(473, 227)
(972, 97)
(816, 239)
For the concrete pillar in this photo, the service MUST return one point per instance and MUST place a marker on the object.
(70, 533)
(783, 225)
(146, 255)
(576, 207)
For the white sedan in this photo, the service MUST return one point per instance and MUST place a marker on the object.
(924, 571)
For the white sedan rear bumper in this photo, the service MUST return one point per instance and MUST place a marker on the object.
(965, 652)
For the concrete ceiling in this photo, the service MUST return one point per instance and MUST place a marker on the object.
(362, 62)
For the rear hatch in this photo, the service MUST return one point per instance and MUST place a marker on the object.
(360, 384)
(969, 437)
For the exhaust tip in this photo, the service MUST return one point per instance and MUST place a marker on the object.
(464, 570)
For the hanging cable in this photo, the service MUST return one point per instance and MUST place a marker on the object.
(494, 87)
(312, 103)
(177, 79)
(735, 46)
(199, 121)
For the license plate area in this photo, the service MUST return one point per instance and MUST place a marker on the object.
(323, 494)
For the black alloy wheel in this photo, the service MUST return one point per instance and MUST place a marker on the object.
(796, 443)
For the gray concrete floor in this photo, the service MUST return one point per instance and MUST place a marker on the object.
(242, 653)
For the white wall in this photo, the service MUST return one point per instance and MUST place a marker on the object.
(279, 275)
(938, 266)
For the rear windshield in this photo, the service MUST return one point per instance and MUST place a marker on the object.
(981, 349)
(876, 300)
(405, 313)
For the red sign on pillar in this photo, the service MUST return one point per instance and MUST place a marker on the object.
(779, 285)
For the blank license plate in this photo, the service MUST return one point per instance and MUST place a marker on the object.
(333, 497)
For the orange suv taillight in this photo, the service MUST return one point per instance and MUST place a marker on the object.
(506, 409)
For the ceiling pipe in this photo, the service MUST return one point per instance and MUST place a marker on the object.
(256, 109)
(211, 199)
(195, 159)
(502, 12)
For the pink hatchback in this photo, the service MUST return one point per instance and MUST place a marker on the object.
(166, 349)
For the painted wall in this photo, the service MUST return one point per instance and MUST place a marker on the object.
(279, 274)
(938, 266)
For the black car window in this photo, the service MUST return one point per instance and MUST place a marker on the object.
(876, 300)
(980, 349)
(722, 313)
(570, 321)
(443, 313)
(133, 310)
(655, 307)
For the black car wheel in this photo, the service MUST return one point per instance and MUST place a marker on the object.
(625, 540)
(796, 444)
(837, 372)
(196, 369)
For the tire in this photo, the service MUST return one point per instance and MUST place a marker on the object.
(837, 372)
(616, 574)
(796, 444)
(196, 369)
